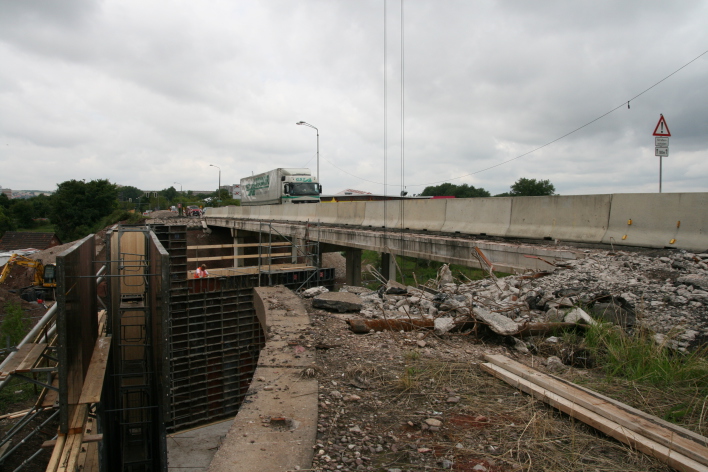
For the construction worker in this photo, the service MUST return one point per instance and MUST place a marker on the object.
(201, 272)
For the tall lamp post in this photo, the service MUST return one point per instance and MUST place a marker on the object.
(318, 145)
(218, 190)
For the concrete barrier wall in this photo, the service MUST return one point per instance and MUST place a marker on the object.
(572, 218)
(489, 216)
(424, 215)
(677, 220)
(382, 214)
(350, 213)
(327, 212)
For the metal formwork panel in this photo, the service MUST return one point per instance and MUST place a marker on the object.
(77, 322)
(215, 342)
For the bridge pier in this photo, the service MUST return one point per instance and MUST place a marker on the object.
(353, 270)
(388, 266)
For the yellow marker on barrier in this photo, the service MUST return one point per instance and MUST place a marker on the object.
(678, 224)
(672, 241)
(624, 237)
(629, 221)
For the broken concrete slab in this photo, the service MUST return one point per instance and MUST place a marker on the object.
(395, 288)
(340, 302)
(578, 315)
(500, 324)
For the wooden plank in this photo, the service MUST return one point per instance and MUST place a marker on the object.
(32, 357)
(672, 458)
(57, 453)
(93, 383)
(88, 438)
(642, 425)
(17, 359)
(102, 318)
(52, 396)
(70, 455)
(686, 433)
(242, 256)
(221, 246)
(91, 464)
(14, 414)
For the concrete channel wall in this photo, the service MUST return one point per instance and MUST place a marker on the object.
(675, 220)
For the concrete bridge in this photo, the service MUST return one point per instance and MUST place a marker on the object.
(449, 230)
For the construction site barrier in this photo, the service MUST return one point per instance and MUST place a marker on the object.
(572, 218)
(675, 220)
(485, 216)
(327, 212)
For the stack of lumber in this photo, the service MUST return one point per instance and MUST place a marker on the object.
(68, 452)
(680, 448)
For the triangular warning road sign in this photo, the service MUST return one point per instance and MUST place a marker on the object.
(662, 129)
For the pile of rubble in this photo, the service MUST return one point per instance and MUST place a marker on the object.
(667, 294)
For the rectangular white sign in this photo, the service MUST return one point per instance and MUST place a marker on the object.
(661, 141)
(662, 152)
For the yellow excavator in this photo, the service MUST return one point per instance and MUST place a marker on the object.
(45, 278)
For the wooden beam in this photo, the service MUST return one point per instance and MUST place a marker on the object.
(672, 458)
(57, 453)
(638, 424)
(93, 383)
(16, 360)
(32, 357)
(241, 256)
(51, 397)
(221, 246)
(88, 438)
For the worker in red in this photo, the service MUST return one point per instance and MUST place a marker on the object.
(201, 272)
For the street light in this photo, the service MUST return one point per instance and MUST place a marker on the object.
(318, 145)
(218, 190)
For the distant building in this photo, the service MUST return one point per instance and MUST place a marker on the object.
(23, 240)
(6, 191)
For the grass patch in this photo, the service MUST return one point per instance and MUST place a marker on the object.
(15, 324)
(423, 269)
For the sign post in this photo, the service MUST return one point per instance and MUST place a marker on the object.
(661, 142)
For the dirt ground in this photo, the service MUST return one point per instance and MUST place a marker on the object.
(415, 401)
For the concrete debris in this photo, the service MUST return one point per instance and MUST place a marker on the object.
(445, 276)
(395, 288)
(338, 301)
(499, 323)
(577, 315)
(444, 325)
(314, 291)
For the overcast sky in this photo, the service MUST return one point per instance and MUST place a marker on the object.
(148, 93)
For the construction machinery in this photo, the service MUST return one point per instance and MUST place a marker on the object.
(44, 281)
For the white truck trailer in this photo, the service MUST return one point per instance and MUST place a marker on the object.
(280, 186)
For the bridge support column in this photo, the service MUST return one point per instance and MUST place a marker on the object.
(239, 251)
(388, 266)
(353, 270)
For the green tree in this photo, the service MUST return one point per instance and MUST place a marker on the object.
(169, 193)
(78, 206)
(41, 205)
(532, 188)
(6, 223)
(451, 190)
(128, 191)
(23, 214)
(5, 202)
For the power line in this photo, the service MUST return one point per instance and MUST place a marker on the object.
(624, 103)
